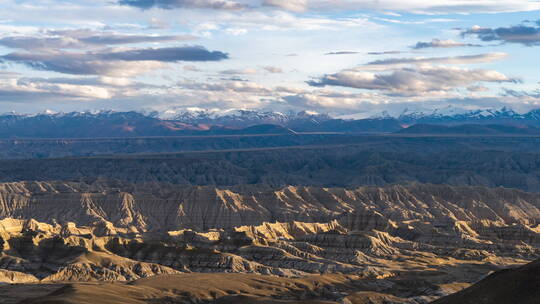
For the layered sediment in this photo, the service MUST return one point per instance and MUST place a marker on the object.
(428, 235)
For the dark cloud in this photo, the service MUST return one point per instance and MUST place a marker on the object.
(170, 54)
(172, 4)
(385, 53)
(128, 39)
(437, 43)
(114, 63)
(522, 34)
(83, 39)
(521, 94)
(342, 53)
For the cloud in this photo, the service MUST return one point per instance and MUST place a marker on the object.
(522, 34)
(385, 53)
(22, 89)
(342, 53)
(339, 102)
(83, 39)
(113, 63)
(521, 94)
(158, 24)
(415, 6)
(60, 94)
(437, 43)
(172, 4)
(273, 69)
(350, 105)
(411, 81)
(389, 63)
(477, 88)
(169, 54)
(191, 68)
(227, 86)
(290, 5)
(80, 64)
(239, 72)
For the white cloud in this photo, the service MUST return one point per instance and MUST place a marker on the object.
(423, 6)
(291, 5)
(191, 68)
(247, 71)
(390, 63)
(414, 81)
(273, 69)
(227, 86)
(16, 89)
(415, 6)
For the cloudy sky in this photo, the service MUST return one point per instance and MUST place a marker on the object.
(352, 58)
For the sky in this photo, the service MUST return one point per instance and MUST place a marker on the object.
(347, 58)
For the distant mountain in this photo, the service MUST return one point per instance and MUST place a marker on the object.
(213, 122)
(113, 124)
(240, 118)
(83, 124)
(384, 122)
(304, 121)
(135, 124)
(470, 129)
(452, 116)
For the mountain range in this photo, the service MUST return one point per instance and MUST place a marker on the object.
(448, 115)
(240, 122)
(263, 207)
(470, 129)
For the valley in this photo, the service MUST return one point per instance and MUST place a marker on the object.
(265, 214)
(332, 244)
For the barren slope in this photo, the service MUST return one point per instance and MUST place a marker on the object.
(413, 242)
(520, 285)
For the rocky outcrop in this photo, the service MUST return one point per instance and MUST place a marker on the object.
(399, 243)
(469, 211)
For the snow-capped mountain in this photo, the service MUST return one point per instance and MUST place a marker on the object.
(200, 122)
(239, 117)
(480, 116)
(307, 121)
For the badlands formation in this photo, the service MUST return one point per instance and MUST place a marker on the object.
(160, 243)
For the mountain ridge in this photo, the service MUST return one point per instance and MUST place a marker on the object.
(401, 243)
(211, 122)
(470, 129)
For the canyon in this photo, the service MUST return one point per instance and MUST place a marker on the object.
(409, 243)
(270, 215)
